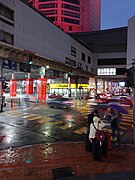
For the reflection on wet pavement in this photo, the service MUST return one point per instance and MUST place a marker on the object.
(40, 124)
(37, 161)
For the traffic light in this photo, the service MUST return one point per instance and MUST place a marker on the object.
(30, 61)
(4, 85)
(130, 77)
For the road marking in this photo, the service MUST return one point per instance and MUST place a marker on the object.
(41, 121)
(15, 115)
(123, 128)
(29, 115)
(127, 120)
(36, 108)
(58, 122)
(35, 118)
(26, 109)
(80, 131)
(67, 126)
(126, 123)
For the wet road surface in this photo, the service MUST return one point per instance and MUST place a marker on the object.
(36, 123)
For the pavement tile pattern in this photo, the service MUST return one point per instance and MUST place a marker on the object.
(36, 162)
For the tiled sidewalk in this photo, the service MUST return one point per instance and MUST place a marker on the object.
(36, 162)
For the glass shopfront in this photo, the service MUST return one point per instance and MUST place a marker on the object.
(79, 90)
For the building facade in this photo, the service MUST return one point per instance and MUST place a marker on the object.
(110, 49)
(29, 34)
(24, 32)
(71, 15)
(131, 42)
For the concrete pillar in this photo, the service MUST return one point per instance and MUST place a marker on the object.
(13, 76)
(28, 75)
(42, 72)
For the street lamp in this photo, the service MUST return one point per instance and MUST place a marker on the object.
(133, 89)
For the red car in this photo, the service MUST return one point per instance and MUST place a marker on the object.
(101, 96)
(52, 96)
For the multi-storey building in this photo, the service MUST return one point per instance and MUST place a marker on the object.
(71, 15)
(110, 49)
(26, 35)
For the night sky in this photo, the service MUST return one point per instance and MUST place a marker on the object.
(115, 13)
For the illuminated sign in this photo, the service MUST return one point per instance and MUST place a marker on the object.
(65, 86)
(85, 86)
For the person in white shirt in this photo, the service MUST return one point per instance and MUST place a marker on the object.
(96, 147)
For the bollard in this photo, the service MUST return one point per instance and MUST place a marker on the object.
(19, 102)
(1, 108)
(11, 103)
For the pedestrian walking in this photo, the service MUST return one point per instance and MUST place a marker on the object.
(114, 118)
(88, 144)
(96, 145)
(115, 126)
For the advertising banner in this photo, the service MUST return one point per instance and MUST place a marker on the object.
(13, 84)
(9, 64)
(42, 85)
(29, 86)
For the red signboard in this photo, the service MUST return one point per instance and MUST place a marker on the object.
(13, 84)
(29, 86)
(39, 89)
(42, 85)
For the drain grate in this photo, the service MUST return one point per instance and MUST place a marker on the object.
(62, 172)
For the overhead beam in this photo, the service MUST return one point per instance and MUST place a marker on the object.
(21, 55)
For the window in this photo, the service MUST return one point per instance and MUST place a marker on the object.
(6, 12)
(6, 21)
(73, 21)
(79, 66)
(50, 5)
(6, 37)
(106, 71)
(70, 62)
(67, 13)
(74, 8)
(73, 63)
(86, 68)
(73, 1)
(89, 60)
(67, 60)
(49, 12)
(45, 0)
(83, 56)
(70, 28)
(112, 61)
(73, 51)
